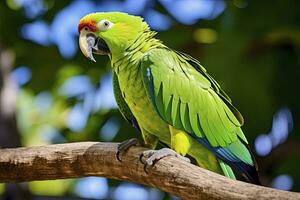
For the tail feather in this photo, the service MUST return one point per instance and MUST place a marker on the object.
(249, 173)
(226, 170)
(237, 156)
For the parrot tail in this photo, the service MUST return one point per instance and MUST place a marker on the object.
(248, 172)
(237, 156)
(226, 170)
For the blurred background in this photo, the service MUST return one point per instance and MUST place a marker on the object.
(50, 93)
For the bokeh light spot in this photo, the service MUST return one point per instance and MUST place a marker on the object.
(75, 86)
(37, 32)
(109, 129)
(129, 191)
(21, 75)
(263, 145)
(43, 101)
(77, 118)
(205, 35)
(283, 182)
(92, 187)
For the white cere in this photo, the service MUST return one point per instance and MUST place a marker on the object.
(104, 25)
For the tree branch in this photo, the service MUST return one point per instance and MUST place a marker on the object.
(98, 159)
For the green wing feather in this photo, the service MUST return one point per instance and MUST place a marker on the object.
(123, 107)
(189, 99)
(216, 87)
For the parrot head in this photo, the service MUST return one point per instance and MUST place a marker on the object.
(108, 33)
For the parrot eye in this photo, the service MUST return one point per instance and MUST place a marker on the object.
(104, 25)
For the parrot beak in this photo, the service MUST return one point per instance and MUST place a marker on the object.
(86, 43)
(90, 44)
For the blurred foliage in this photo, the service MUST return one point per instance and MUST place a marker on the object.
(58, 187)
(1, 188)
(250, 47)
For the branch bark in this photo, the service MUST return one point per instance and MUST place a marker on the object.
(172, 175)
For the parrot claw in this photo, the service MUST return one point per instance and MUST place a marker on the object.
(125, 145)
(150, 157)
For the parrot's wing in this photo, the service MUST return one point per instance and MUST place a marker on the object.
(186, 97)
(215, 86)
(123, 107)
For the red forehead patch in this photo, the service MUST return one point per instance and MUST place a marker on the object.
(91, 25)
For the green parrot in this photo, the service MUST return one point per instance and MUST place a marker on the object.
(168, 96)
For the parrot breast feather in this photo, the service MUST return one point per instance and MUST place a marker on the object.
(123, 107)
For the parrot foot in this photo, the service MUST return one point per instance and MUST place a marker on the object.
(150, 157)
(125, 145)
